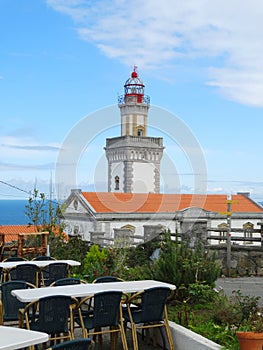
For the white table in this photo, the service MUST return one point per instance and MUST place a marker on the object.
(86, 289)
(12, 338)
(8, 265)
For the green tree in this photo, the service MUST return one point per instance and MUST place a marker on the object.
(42, 213)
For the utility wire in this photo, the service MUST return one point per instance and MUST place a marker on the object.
(15, 187)
(20, 189)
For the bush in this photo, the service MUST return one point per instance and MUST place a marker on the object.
(143, 272)
(235, 310)
(98, 262)
(182, 265)
(200, 293)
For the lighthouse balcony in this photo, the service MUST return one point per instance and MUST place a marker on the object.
(128, 140)
(133, 98)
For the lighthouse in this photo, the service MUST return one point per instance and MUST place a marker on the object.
(134, 158)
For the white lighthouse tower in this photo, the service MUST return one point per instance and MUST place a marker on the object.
(134, 158)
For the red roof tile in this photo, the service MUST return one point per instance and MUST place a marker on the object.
(109, 202)
(16, 229)
(11, 231)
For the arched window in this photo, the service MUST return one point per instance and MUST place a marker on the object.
(224, 227)
(248, 231)
(117, 183)
(140, 130)
(129, 227)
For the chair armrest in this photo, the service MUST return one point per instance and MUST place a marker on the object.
(1, 313)
(23, 314)
(30, 285)
(135, 298)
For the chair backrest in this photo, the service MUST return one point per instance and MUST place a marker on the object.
(76, 344)
(57, 271)
(15, 258)
(26, 272)
(44, 271)
(153, 303)
(11, 304)
(66, 281)
(106, 309)
(54, 312)
(43, 257)
(105, 279)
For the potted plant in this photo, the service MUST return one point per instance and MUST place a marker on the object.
(250, 332)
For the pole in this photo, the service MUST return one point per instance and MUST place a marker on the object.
(228, 242)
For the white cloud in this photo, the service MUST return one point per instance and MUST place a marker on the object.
(155, 34)
(21, 154)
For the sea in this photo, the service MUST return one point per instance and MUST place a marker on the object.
(12, 212)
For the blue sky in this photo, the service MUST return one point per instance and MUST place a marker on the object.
(65, 61)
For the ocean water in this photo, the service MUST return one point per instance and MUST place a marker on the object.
(12, 212)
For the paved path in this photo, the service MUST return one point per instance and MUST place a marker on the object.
(252, 286)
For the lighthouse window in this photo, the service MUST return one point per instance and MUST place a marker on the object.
(117, 183)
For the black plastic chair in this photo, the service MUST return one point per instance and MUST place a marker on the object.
(67, 281)
(150, 312)
(58, 271)
(106, 279)
(43, 258)
(54, 316)
(106, 313)
(26, 272)
(15, 258)
(10, 305)
(44, 270)
(1, 275)
(6, 276)
(76, 344)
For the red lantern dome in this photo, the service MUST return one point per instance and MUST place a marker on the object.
(134, 90)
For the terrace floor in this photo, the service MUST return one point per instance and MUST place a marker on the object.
(106, 341)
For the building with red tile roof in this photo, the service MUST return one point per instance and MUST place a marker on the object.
(133, 204)
(108, 214)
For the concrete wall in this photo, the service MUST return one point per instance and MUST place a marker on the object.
(185, 339)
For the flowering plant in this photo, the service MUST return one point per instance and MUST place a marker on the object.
(254, 323)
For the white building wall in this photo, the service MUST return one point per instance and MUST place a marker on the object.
(139, 225)
(126, 124)
(83, 228)
(76, 209)
(144, 175)
(140, 120)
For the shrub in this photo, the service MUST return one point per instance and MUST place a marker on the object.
(96, 262)
(182, 265)
(143, 272)
(200, 293)
(235, 310)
